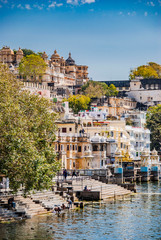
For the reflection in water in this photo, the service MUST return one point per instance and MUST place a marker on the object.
(139, 219)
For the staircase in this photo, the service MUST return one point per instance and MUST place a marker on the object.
(34, 204)
(106, 190)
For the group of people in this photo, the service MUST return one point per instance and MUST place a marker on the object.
(65, 174)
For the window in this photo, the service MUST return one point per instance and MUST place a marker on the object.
(67, 147)
(74, 164)
(64, 130)
(121, 145)
(73, 147)
(101, 163)
(79, 148)
(111, 134)
(85, 148)
(56, 147)
(121, 134)
(102, 148)
(62, 147)
(70, 129)
(70, 147)
(95, 148)
(137, 154)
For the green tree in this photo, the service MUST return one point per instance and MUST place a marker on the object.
(112, 91)
(78, 102)
(156, 67)
(32, 67)
(145, 71)
(95, 89)
(27, 131)
(27, 52)
(154, 125)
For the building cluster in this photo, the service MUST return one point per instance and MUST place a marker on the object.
(90, 141)
(61, 76)
(146, 92)
(112, 131)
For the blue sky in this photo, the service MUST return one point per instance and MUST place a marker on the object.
(110, 36)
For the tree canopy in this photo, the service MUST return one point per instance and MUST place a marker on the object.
(151, 70)
(27, 131)
(78, 102)
(27, 52)
(32, 67)
(154, 125)
(95, 89)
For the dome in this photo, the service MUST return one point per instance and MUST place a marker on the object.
(19, 52)
(55, 55)
(62, 59)
(44, 55)
(70, 60)
(7, 50)
(118, 152)
(154, 152)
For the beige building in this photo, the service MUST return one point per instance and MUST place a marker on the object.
(115, 106)
(61, 75)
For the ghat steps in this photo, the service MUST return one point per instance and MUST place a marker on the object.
(106, 190)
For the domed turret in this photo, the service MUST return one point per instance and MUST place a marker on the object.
(19, 55)
(19, 52)
(70, 60)
(55, 56)
(45, 56)
(154, 152)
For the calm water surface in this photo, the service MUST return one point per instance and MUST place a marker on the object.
(123, 220)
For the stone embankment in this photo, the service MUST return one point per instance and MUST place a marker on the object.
(35, 204)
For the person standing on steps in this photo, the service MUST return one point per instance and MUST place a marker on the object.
(65, 174)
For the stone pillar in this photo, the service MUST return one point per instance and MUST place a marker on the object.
(154, 173)
(144, 171)
(118, 173)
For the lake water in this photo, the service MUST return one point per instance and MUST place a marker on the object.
(123, 220)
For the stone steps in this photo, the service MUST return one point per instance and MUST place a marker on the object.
(106, 190)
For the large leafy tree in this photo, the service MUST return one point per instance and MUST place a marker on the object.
(154, 125)
(27, 131)
(32, 67)
(27, 52)
(95, 89)
(151, 70)
(78, 102)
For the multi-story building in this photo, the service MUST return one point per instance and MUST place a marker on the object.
(143, 91)
(61, 75)
(80, 150)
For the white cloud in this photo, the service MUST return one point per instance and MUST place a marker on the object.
(76, 2)
(151, 4)
(73, 2)
(120, 13)
(27, 6)
(55, 4)
(20, 6)
(40, 7)
(156, 14)
(59, 4)
(145, 14)
(87, 1)
(52, 5)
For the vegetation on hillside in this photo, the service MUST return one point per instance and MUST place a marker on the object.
(151, 70)
(95, 89)
(78, 102)
(32, 67)
(154, 125)
(27, 131)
